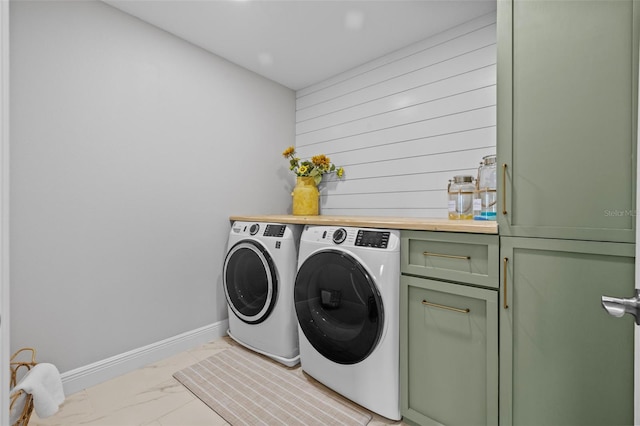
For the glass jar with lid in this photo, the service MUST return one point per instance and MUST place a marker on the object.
(461, 193)
(485, 207)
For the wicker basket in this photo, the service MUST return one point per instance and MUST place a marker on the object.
(16, 365)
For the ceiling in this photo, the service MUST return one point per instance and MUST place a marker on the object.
(301, 42)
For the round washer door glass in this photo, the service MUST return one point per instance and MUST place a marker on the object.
(250, 281)
(338, 306)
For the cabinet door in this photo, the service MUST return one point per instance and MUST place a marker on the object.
(563, 359)
(567, 112)
(448, 355)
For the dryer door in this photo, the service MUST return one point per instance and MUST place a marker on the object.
(250, 281)
(338, 306)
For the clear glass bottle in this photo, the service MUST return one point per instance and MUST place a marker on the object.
(461, 192)
(485, 207)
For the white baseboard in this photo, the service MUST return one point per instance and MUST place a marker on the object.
(89, 375)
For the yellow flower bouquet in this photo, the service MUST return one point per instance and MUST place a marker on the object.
(315, 168)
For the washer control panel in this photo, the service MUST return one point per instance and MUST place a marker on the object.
(381, 239)
(377, 239)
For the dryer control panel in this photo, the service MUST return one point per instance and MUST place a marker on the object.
(257, 230)
(274, 230)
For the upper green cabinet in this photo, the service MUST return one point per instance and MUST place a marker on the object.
(567, 113)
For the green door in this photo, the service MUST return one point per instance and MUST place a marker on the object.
(449, 353)
(563, 359)
(567, 100)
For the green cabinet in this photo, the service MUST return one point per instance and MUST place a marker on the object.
(448, 329)
(563, 359)
(567, 113)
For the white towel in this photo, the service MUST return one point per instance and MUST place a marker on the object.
(44, 383)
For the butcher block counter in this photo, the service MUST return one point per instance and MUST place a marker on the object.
(414, 223)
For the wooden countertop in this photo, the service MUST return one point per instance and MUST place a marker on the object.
(415, 223)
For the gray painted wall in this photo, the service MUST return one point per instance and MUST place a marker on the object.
(130, 148)
(4, 211)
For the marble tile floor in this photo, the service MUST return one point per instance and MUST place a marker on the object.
(148, 396)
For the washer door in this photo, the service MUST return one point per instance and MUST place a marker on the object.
(250, 281)
(338, 306)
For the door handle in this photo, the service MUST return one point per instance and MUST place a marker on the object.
(505, 261)
(617, 307)
(504, 189)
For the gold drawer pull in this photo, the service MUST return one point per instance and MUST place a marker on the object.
(448, 308)
(450, 256)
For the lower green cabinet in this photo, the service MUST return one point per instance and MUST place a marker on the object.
(448, 353)
(563, 359)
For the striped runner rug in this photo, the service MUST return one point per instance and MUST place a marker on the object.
(246, 388)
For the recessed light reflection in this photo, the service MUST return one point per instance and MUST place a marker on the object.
(354, 20)
(265, 59)
(403, 102)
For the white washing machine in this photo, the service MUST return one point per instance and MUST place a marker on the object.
(347, 294)
(258, 277)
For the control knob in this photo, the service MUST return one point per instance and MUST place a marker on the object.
(339, 236)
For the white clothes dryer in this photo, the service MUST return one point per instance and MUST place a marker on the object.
(347, 294)
(258, 277)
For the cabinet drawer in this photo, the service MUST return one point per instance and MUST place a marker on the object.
(467, 258)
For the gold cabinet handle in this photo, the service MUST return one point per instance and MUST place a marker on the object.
(505, 261)
(504, 188)
(448, 308)
(450, 256)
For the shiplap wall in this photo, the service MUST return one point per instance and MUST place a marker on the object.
(404, 124)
